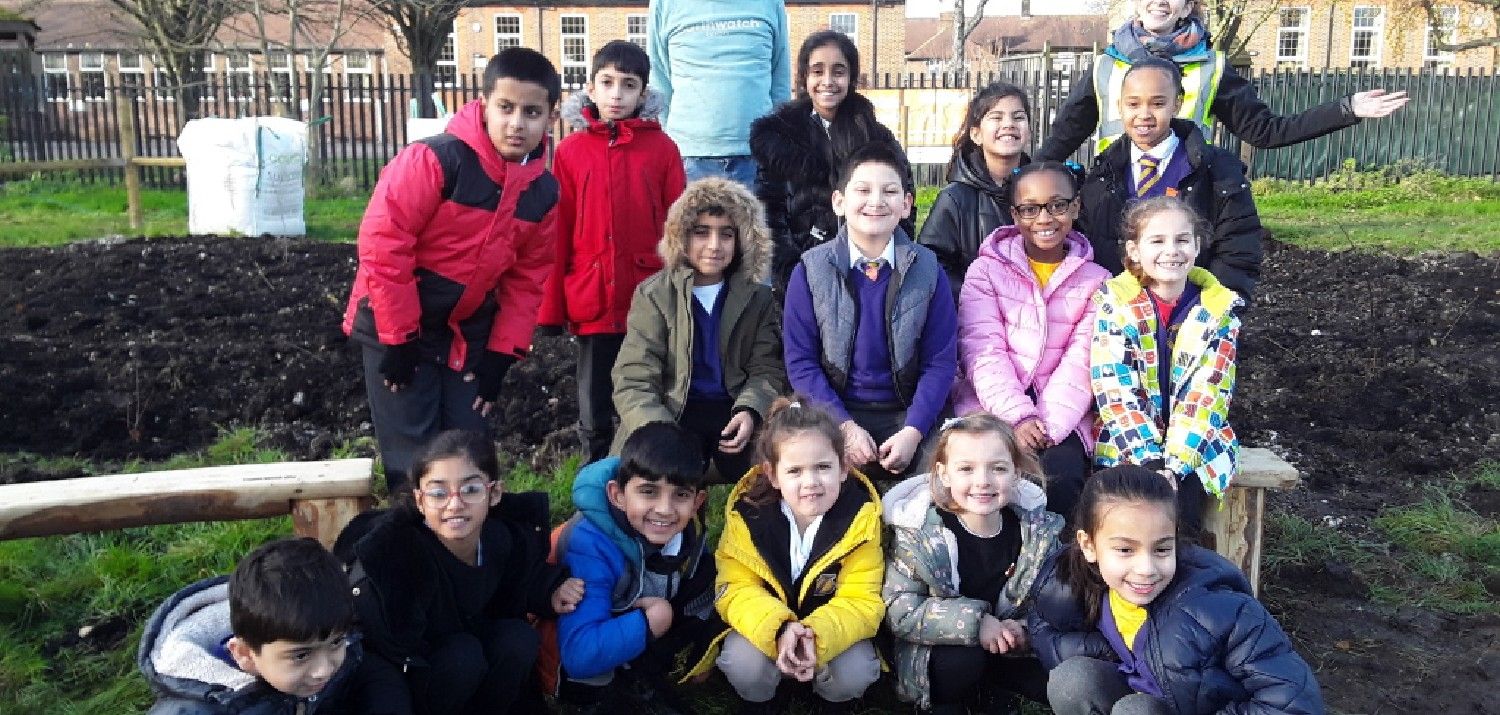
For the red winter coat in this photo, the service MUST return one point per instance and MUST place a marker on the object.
(617, 184)
(454, 247)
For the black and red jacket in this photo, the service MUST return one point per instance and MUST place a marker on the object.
(455, 246)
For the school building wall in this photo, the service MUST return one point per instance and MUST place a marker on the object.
(1324, 36)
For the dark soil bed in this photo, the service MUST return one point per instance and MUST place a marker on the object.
(1371, 373)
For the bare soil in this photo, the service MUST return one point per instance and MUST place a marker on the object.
(1371, 373)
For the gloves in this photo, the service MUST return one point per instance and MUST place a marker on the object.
(399, 364)
(490, 372)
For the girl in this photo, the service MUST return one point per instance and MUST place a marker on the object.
(799, 567)
(1131, 620)
(1162, 357)
(800, 146)
(1025, 315)
(1172, 30)
(1170, 157)
(992, 143)
(970, 539)
(444, 581)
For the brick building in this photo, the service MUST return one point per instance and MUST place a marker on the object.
(1373, 34)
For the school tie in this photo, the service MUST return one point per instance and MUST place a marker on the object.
(1149, 174)
(872, 268)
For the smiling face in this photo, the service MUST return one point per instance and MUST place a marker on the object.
(977, 471)
(808, 473)
(873, 201)
(827, 80)
(711, 246)
(1148, 101)
(1005, 130)
(454, 498)
(1135, 548)
(1159, 17)
(298, 668)
(516, 116)
(1045, 234)
(1165, 250)
(616, 93)
(658, 510)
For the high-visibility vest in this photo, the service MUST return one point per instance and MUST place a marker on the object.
(1200, 82)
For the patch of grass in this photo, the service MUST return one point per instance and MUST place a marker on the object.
(1425, 211)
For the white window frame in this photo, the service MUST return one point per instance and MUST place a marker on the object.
(1377, 36)
(52, 73)
(638, 38)
(1301, 30)
(89, 70)
(1435, 57)
(853, 18)
(452, 42)
(233, 75)
(133, 75)
(507, 39)
(350, 72)
(580, 65)
(286, 71)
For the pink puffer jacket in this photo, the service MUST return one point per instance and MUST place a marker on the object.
(1014, 336)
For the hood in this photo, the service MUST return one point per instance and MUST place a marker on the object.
(653, 103)
(468, 125)
(745, 211)
(1006, 245)
(177, 652)
(970, 170)
(1215, 298)
(591, 499)
(1200, 570)
(908, 503)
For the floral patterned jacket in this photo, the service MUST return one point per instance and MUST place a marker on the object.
(923, 605)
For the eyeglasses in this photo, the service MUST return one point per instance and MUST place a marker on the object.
(1055, 208)
(470, 493)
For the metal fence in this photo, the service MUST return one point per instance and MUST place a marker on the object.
(1452, 124)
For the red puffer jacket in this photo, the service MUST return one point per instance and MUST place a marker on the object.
(617, 184)
(454, 247)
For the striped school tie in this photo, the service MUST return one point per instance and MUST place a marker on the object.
(1149, 174)
(872, 268)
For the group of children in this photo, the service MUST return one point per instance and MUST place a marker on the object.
(1071, 322)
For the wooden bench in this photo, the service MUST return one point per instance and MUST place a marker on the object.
(320, 496)
(1236, 528)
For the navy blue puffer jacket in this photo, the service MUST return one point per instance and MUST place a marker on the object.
(1209, 643)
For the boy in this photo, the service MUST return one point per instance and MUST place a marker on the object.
(640, 548)
(704, 342)
(871, 328)
(720, 64)
(273, 637)
(618, 175)
(453, 250)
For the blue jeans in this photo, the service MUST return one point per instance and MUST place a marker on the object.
(737, 168)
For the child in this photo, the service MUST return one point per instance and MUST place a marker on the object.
(799, 567)
(1169, 157)
(704, 342)
(720, 64)
(453, 251)
(799, 146)
(642, 552)
(970, 539)
(1025, 316)
(992, 143)
(276, 637)
(1162, 356)
(1131, 620)
(618, 174)
(445, 580)
(870, 322)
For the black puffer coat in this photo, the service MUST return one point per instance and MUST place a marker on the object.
(1210, 645)
(797, 165)
(1216, 188)
(966, 211)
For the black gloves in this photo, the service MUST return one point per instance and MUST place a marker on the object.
(399, 364)
(490, 372)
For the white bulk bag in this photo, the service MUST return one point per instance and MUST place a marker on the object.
(245, 175)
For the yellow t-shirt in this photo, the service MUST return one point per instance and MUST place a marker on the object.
(1128, 618)
(1043, 271)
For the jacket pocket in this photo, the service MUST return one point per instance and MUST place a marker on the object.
(584, 288)
(646, 265)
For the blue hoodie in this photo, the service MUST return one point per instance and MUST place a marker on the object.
(721, 64)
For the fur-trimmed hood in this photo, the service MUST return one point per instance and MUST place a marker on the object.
(745, 212)
(652, 105)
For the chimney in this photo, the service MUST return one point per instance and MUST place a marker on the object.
(1025, 8)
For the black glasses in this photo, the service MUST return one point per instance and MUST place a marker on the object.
(469, 493)
(1055, 208)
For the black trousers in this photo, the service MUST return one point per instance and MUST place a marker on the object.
(883, 422)
(957, 672)
(596, 401)
(437, 399)
(487, 670)
(1066, 466)
(706, 419)
(1190, 500)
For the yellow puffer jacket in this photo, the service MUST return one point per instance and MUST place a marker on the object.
(838, 595)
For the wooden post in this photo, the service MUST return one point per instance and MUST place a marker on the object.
(125, 110)
(1236, 528)
(324, 519)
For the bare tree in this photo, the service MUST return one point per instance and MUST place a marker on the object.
(1232, 23)
(178, 32)
(422, 28)
(964, 24)
(1444, 35)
